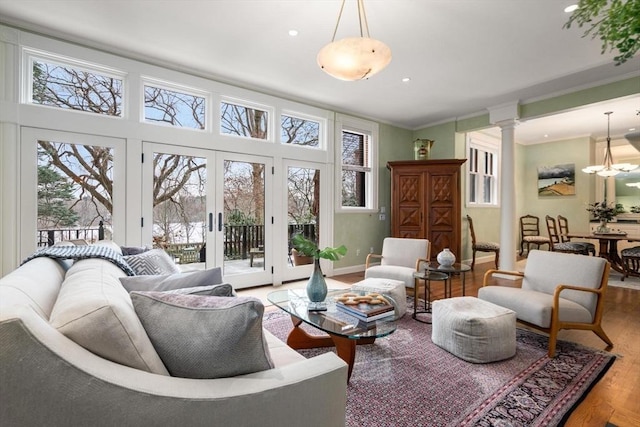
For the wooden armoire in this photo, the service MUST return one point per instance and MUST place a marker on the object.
(426, 202)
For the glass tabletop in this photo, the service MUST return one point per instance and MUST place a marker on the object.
(430, 275)
(332, 321)
(455, 268)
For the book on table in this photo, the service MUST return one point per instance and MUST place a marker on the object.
(365, 311)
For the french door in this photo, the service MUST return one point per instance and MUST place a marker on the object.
(72, 188)
(208, 209)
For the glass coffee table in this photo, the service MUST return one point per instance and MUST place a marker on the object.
(345, 331)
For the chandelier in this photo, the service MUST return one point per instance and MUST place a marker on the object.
(608, 168)
(354, 58)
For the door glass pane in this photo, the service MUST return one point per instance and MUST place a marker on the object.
(244, 207)
(179, 207)
(303, 205)
(75, 192)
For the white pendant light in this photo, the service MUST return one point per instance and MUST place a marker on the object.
(608, 168)
(354, 58)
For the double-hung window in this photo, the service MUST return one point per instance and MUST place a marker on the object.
(357, 160)
(483, 155)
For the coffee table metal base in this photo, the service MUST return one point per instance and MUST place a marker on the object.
(345, 347)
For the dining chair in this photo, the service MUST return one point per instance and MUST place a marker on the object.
(482, 246)
(631, 261)
(558, 291)
(563, 226)
(557, 245)
(530, 233)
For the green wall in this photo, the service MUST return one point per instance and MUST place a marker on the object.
(365, 230)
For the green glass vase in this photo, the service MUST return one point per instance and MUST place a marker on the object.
(316, 286)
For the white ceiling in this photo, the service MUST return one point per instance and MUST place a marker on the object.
(462, 56)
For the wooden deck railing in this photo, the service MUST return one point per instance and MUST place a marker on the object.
(238, 240)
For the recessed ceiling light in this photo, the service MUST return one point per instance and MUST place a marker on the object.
(406, 79)
(571, 8)
(546, 135)
(293, 33)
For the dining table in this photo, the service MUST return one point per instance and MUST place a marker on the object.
(608, 243)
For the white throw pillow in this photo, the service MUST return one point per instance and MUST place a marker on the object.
(205, 336)
(95, 311)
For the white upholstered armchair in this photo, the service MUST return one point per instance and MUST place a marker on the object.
(559, 291)
(400, 258)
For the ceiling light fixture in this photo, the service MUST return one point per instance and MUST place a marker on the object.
(608, 168)
(354, 58)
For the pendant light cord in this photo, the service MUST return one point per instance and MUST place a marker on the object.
(362, 17)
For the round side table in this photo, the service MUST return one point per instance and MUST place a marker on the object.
(427, 276)
(450, 270)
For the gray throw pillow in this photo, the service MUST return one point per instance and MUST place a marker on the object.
(168, 282)
(133, 250)
(155, 261)
(220, 290)
(205, 336)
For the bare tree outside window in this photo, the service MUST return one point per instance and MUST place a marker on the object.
(299, 131)
(243, 121)
(74, 89)
(174, 108)
(82, 177)
(179, 200)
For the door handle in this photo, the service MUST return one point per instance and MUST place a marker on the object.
(210, 221)
(219, 221)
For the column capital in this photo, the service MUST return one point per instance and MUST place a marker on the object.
(503, 112)
(507, 124)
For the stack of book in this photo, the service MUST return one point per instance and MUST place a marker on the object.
(365, 311)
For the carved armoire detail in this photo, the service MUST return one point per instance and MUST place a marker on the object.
(426, 202)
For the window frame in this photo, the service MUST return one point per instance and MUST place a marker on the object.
(29, 56)
(247, 104)
(322, 126)
(175, 87)
(351, 124)
(483, 144)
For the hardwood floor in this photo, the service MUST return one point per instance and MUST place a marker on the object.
(616, 397)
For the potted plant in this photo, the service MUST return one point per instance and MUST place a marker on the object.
(603, 213)
(317, 286)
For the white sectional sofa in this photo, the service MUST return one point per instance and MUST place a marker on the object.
(48, 379)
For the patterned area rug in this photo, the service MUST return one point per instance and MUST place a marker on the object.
(406, 380)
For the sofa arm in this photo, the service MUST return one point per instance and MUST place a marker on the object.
(490, 273)
(47, 379)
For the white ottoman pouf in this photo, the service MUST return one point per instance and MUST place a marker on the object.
(474, 330)
(393, 288)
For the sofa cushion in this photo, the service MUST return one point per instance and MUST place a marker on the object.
(205, 336)
(168, 282)
(95, 311)
(155, 261)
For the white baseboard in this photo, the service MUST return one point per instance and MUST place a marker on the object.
(348, 270)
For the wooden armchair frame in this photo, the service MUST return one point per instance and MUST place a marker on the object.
(556, 324)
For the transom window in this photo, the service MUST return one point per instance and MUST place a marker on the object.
(74, 88)
(297, 131)
(241, 120)
(174, 107)
(482, 183)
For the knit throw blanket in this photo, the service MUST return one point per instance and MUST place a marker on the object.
(83, 252)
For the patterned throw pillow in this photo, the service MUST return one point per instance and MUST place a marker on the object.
(155, 261)
(205, 336)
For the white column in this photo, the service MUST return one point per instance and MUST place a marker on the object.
(508, 197)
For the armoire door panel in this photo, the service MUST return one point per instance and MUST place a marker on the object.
(426, 202)
(409, 217)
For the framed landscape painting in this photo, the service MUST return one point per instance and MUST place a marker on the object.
(559, 180)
